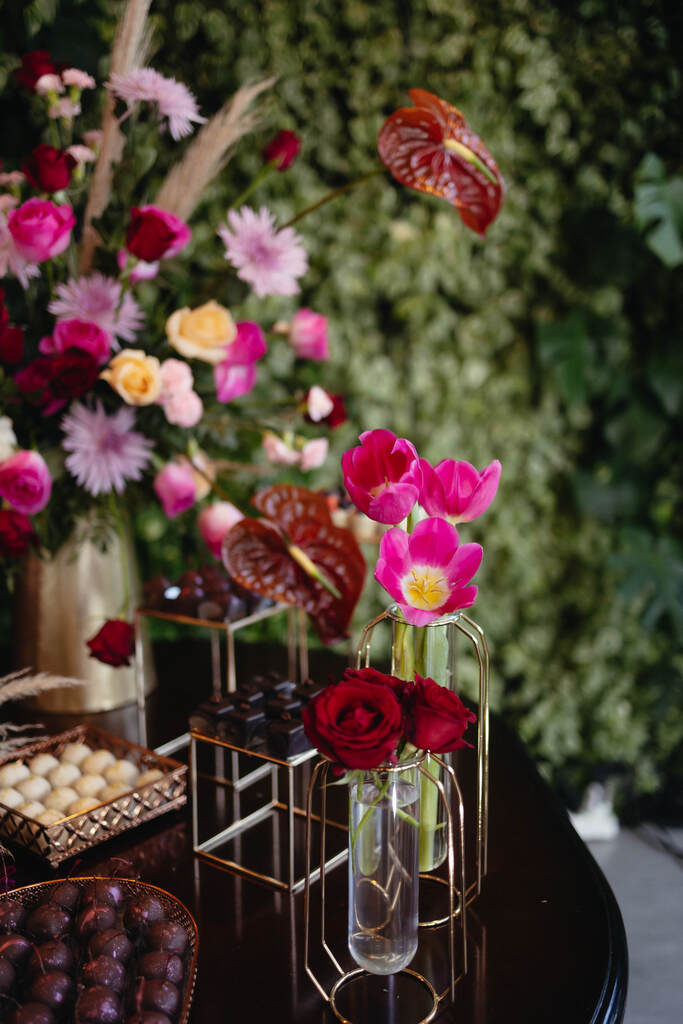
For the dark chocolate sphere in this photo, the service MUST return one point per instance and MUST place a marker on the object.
(12, 915)
(98, 1006)
(15, 948)
(167, 936)
(143, 911)
(54, 988)
(8, 974)
(159, 995)
(162, 966)
(95, 918)
(106, 971)
(105, 892)
(33, 1013)
(51, 956)
(65, 895)
(148, 1017)
(47, 922)
(111, 942)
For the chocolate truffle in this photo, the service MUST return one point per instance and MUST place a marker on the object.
(54, 989)
(51, 956)
(104, 891)
(8, 974)
(163, 966)
(149, 1017)
(141, 912)
(159, 995)
(167, 936)
(98, 1005)
(12, 915)
(65, 895)
(105, 971)
(33, 1013)
(95, 918)
(48, 921)
(15, 948)
(111, 942)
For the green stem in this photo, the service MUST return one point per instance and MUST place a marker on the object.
(329, 196)
(255, 182)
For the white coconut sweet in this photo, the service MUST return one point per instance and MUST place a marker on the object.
(10, 797)
(41, 764)
(31, 808)
(96, 762)
(151, 775)
(83, 804)
(89, 785)
(113, 791)
(49, 816)
(35, 787)
(64, 774)
(121, 771)
(75, 753)
(11, 774)
(61, 798)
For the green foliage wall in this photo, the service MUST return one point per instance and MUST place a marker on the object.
(555, 345)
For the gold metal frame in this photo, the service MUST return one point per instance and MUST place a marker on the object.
(320, 777)
(475, 634)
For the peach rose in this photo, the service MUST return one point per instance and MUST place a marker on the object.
(202, 333)
(135, 376)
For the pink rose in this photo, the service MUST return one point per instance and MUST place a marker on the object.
(40, 229)
(185, 409)
(78, 334)
(176, 379)
(25, 482)
(215, 521)
(308, 335)
(314, 453)
(175, 488)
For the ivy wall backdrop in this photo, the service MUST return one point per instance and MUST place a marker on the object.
(553, 345)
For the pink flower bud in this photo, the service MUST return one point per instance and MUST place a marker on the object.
(215, 521)
(319, 404)
(175, 488)
(314, 453)
(308, 335)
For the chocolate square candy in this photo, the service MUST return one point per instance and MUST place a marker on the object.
(274, 685)
(279, 706)
(307, 690)
(246, 722)
(252, 694)
(287, 738)
(217, 708)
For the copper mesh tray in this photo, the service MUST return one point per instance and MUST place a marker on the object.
(175, 911)
(79, 832)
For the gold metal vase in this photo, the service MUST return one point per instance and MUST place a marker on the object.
(60, 603)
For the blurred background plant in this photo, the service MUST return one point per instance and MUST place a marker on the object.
(554, 346)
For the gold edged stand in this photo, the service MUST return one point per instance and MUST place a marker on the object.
(456, 894)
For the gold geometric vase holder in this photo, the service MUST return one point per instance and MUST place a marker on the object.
(457, 623)
(456, 917)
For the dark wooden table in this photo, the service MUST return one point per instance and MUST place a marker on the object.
(547, 943)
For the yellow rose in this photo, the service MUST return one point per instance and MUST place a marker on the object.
(135, 376)
(202, 333)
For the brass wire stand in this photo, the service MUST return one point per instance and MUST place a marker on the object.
(475, 634)
(320, 777)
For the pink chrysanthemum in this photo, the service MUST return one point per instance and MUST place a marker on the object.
(267, 259)
(96, 298)
(174, 100)
(105, 451)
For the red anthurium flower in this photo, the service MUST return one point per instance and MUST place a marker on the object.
(456, 490)
(427, 571)
(382, 476)
(297, 556)
(48, 169)
(430, 147)
(114, 643)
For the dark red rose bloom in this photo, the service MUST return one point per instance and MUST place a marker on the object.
(16, 533)
(154, 233)
(283, 150)
(357, 724)
(114, 643)
(34, 381)
(431, 148)
(437, 718)
(33, 66)
(336, 416)
(401, 687)
(11, 345)
(48, 169)
(74, 372)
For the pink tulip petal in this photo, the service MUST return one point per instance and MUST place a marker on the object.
(233, 381)
(393, 548)
(432, 496)
(458, 480)
(417, 616)
(248, 346)
(463, 598)
(463, 566)
(483, 493)
(433, 542)
(389, 578)
(393, 504)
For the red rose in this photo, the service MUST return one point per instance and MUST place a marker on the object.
(34, 381)
(154, 233)
(401, 687)
(437, 718)
(114, 643)
(16, 533)
(48, 169)
(357, 724)
(282, 150)
(74, 372)
(33, 66)
(336, 416)
(11, 344)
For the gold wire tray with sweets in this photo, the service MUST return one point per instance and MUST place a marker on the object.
(77, 832)
(175, 911)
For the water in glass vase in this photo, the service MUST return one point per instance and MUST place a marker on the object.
(383, 869)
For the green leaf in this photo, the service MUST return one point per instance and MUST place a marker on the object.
(665, 379)
(567, 350)
(658, 210)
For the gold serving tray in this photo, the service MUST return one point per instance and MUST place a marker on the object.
(175, 911)
(79, 832)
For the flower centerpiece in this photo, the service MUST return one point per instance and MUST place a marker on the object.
(376, 728)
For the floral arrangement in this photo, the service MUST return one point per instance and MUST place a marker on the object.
(95, 404)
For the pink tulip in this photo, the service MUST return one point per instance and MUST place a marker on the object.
(314, 453)
(25, 482)
(308, 335)
(40, 229)
(426, 571)
(176, 488)
(215, 521)
(383, 476)
(456, 491)
(78, 334)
